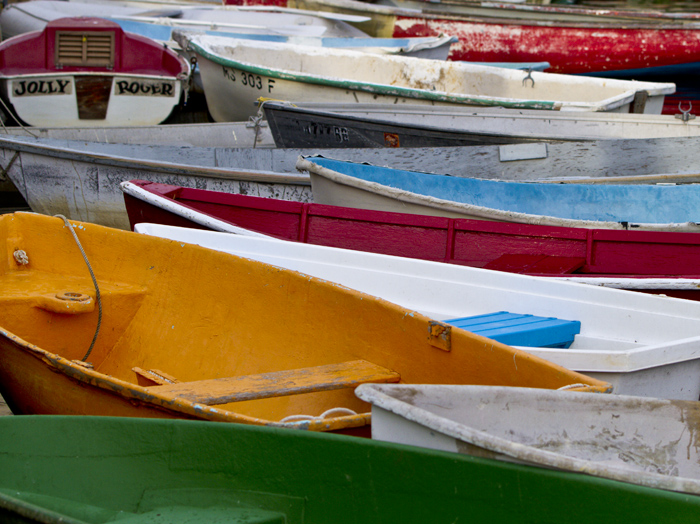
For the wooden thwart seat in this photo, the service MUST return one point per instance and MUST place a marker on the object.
(280, 383)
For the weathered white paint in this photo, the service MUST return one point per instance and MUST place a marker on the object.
(85, 186)
(649, 442)
(625, 336)
(244, 70)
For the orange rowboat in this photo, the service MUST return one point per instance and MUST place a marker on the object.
(180, 331)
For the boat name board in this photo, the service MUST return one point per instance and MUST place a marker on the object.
(143, 87)
(124, 86)
(42, 87)
(249, 79)
(315, 129)
(513, 152)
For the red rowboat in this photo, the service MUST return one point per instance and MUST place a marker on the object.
(661, 262)
(572, 39)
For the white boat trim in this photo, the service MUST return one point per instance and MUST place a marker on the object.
(190, 214)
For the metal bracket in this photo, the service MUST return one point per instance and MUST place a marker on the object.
(440, 335)
(685, 115)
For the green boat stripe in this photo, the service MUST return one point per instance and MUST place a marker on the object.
(381, 89)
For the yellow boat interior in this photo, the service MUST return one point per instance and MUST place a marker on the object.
(183, 331)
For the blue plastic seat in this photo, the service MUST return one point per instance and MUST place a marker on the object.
(515, 329)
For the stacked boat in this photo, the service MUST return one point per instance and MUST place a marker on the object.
(453, 289)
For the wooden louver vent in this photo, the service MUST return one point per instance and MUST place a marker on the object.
(90, 49)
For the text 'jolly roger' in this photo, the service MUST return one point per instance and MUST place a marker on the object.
(122, 86)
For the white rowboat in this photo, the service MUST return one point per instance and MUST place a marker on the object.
(236, 73)
(650, 442)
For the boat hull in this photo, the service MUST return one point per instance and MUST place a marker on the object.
(201, 472)
(89, 72)
(222, 84)
(81, 184)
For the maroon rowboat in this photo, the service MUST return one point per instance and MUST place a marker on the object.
(654, 258)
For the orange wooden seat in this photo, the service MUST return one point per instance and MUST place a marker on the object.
(279, 383)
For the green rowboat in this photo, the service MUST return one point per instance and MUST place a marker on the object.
(128, 470)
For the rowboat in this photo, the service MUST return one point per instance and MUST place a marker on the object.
(315, 124)
(641, 344)
(17, 19)
(634, 260)
(626, 43)
(620, 206)
(174, 470)
(290, 357)
(80, 71)
(267, 69)
(648, 442)
(433, 47)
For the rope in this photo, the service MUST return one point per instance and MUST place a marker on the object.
(94, 281)
(325, 414)
(572, 386)
(10, 113)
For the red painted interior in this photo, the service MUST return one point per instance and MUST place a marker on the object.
(518, 248)
(35, 52)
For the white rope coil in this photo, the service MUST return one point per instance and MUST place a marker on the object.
(326, 414)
